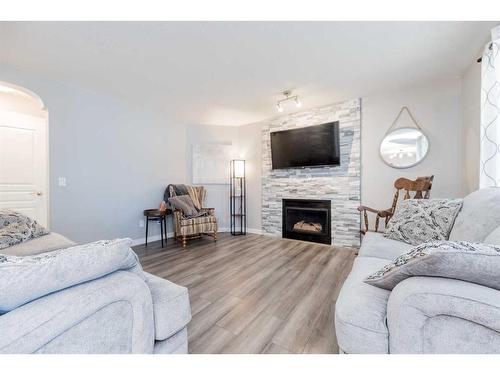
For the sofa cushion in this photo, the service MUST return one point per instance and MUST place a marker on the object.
(493, 238)
(50, 242)
(24, 279)
(479, 216)
(477, 263)
(172, 310)
(377, 246)
(360, 311)
(421, 220)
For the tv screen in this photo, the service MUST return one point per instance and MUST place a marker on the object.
(312, 146)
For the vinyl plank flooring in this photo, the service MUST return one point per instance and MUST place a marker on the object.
(212, 341)
(198, 304)
(299, 326)
(272, 348)
(255, 294)
(255, 337)
(209, 316)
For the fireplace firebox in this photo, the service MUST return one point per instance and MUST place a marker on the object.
(307, 220)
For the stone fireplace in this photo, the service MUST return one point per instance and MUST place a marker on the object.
(307, 220)
(339, 185)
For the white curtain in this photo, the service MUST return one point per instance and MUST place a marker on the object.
(490, 113)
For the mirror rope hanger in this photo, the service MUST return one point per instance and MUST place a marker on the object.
(404, 108)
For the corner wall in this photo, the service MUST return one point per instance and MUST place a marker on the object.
(117, 159)
(437, 107)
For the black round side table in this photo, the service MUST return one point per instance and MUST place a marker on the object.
(159, 216)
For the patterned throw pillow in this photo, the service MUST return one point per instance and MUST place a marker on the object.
(477, 263)
(16, 228)
(422, 220)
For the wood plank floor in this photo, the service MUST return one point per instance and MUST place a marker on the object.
(255, 294)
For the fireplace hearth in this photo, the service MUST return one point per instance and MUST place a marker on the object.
(307, 220)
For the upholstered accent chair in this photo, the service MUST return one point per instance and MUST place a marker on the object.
(186, 228)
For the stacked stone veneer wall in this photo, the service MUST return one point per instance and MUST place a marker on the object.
(341, 184)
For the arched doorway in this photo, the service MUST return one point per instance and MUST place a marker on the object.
(24, 161)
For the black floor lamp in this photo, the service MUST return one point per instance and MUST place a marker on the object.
(238, 206)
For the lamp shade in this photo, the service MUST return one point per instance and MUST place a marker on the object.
(239, 168)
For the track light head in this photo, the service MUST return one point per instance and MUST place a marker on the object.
(288, 97)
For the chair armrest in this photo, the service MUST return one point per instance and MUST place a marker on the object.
(381, 213)
(31, 326)
(384, 214)
(430, 314)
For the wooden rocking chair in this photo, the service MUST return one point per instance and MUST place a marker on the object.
(421, 187)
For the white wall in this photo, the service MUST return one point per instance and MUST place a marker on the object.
(217, 194)
(437, 108)
(247, 145)
(250, 149)
(117, 159)
(471, 112)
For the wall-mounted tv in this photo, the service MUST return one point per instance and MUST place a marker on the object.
(312, 146)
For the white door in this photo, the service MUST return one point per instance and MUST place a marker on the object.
(23, 165)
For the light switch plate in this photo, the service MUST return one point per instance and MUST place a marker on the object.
(62, 181)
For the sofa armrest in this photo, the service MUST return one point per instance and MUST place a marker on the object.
(29, 328)
(171, 306)
(439, 315)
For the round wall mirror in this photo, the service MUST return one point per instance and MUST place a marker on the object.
(404, 147)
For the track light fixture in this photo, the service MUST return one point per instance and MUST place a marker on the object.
(288, 97)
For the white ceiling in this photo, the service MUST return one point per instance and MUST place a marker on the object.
(232, 73)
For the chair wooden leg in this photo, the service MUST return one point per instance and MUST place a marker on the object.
(215, 236)
(184, 241)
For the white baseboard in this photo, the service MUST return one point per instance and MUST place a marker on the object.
(255, 231)
(157, 237)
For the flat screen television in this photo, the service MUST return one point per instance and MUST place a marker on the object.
(312, 146)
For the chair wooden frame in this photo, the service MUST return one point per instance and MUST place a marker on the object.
(421, 187)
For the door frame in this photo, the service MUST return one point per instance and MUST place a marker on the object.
(45, 116)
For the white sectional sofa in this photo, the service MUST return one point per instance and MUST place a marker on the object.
(422, 314)
(120, 312)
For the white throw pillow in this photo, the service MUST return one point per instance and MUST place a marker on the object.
(16, 228)
(422, 220)
(477, 263)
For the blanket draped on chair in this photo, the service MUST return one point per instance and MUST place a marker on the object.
(196, 193)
